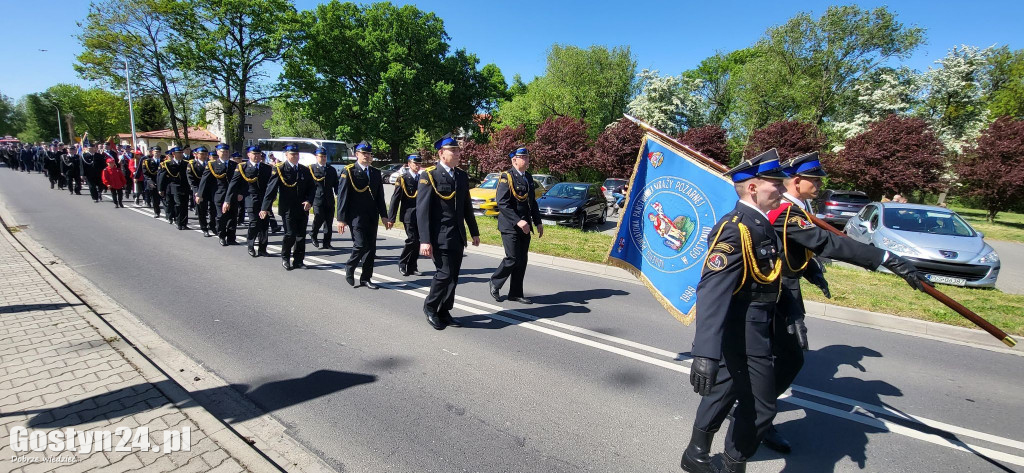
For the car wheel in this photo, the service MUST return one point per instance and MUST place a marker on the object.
(583, 221)
(604, 216)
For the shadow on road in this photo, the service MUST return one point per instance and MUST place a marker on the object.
(220, 401)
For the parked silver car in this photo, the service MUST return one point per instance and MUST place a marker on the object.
(944, 247)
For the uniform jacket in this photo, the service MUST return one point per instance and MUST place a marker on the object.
(216, 179)
(510, 208)
(93, 164)
(734, 311)
(253, 191)
(70, 166)
(171, 179)
(361, 197)
(444, 209)
(403, 199)
(150, 168)
(195, 170)
(326, 181)
(292, 185)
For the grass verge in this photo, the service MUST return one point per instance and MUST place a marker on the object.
(889, 294)
(1008, 226)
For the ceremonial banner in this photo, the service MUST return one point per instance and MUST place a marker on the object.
(675, 197)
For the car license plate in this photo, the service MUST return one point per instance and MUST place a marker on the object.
(847, 214)
(947, 280)
(548, 222)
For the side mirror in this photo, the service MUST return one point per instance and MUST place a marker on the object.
(980, 234)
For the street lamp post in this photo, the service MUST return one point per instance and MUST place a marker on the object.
(60, 130)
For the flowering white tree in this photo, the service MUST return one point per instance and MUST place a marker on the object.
(666, 102)
(882, 94)
(953, 96)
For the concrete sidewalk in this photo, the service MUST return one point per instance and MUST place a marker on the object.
(62, 367)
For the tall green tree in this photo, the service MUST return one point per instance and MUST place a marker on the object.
(40, 118)
(97, 111)
(717, 86)
(1005, 85)
(137, 31)
(382, 72)
(11, 119)
(150, 113)
(594, 84)
(953, 96)
(230, 44)
(668, 103)
(803, 68)
(289, 119)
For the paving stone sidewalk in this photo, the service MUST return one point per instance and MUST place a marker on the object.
(58, 371)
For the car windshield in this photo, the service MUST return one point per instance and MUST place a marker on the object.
(927, 221)
(490, 183)
(567, 191)
(850, 198)
(613, 183)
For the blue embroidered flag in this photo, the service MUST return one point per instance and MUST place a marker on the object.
(674, 200)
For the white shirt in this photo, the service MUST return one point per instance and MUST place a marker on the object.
(446, 169)
(796, 201)
(748, 204)
(363, 168)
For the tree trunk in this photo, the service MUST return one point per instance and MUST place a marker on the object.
(991, 215)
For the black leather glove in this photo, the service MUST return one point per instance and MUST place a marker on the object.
(815, 274)
(703, 373)
(904, 269)
(798, 329)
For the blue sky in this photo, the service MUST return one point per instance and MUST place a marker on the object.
(670, 36)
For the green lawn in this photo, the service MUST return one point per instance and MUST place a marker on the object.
(1008, 226)
(889, 294)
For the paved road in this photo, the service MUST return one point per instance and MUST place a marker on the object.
(1011, 271)
(591, 378)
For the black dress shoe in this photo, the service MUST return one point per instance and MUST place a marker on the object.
(493, 290)
(223, 242)
(775, 441)
(446, 317)
(287, 264)
(370, 285)
(298, 264)
(434, 321)
(263, 253)
(252, 252)
(156, 215)
(415, 272)
(316, 243)
(521, 300)
(327, 245)
(206, 233)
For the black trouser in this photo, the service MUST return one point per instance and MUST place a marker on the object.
(224, 219)
(206, 211)
(364, 251)
(177, 207)
(257, 234)
(751, 381)
(272, 221)
(324, 217)
(74, 184)
(154, 198)
(94, 186)
(240, 212)
(409, 261)
(441, 298)
(117, 195)
(789, 357)
(61, 181)
(293, 245)
(53, 176)
(517, 249)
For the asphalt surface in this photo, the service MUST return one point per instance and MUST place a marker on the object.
(592, 377)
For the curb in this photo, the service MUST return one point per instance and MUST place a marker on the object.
(890, 323)
(259, 444)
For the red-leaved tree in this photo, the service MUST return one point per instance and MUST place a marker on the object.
(615, 152)
(992, 170)
(789, 138)
(493, 156)
(560, 145)
(895, 155)
(711, 141)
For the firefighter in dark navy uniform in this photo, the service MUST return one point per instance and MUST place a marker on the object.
(325, 177)
(150, 168)
(360, 206)
(403, 207)
(801, 241)
(213, 187)
(292, 185)
(517, 217)
(736, 299)
(71, 168)
(443, 211)
(205, 209)
(250, 181)
(172, 181)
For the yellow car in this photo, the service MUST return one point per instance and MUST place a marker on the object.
(483, 195)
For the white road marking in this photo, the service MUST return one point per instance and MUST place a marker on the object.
(494, 312)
